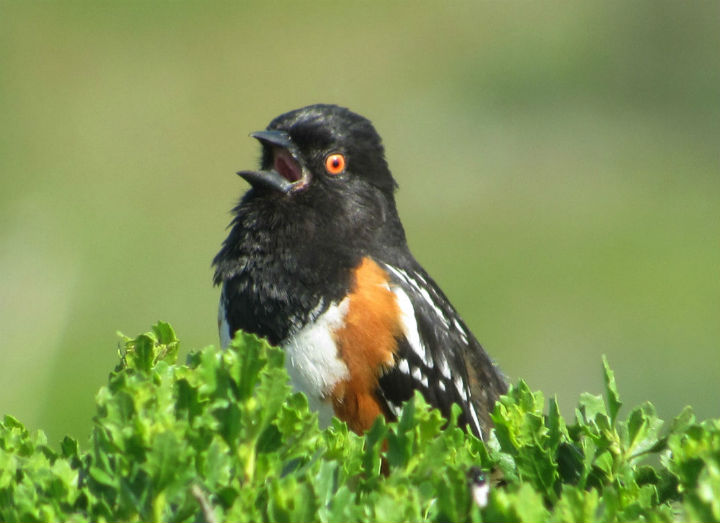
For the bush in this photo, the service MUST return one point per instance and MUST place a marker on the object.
(223, 438)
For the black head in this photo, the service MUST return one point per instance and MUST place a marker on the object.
(323, 197)
(320, 149)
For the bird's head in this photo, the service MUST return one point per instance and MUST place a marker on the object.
(320, 150)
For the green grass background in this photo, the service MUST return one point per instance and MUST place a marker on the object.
(558, 171)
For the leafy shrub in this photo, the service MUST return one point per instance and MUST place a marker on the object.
(223, 438)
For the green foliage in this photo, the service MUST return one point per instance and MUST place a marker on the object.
(222, 437)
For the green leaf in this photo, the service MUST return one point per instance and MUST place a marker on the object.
(69, 447)
(163, 459)
(569, 463)
(254, 357)
(522, 505)
(291, 500)
(167, 341)
(576, 505)
(591, 407)
(555, 424)
(103, 477)
(709, 487)
(611, 392)
(141, 354)
(643, 427)
(683, 421)
(372, 457)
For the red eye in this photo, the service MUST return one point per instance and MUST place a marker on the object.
(335, 163)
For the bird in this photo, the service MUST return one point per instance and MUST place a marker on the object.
(317, 262)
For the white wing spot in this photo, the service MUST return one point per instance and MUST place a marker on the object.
(475, 419)
(397, 272)
(460, 386)
(445, 368)
(421, 289)
(417, 373)
(409, 326)
(403, 366)
(441, 385)
(395, 409)
(426, 296)
(463, 332)
(459, 327)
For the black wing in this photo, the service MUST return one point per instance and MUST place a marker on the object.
(438, 355)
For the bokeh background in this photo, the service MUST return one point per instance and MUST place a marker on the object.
(558, 167)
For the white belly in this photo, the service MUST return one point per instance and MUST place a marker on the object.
(313, 362)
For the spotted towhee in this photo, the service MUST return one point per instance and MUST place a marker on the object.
(317, 263)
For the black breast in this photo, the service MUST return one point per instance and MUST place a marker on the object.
(279, 268)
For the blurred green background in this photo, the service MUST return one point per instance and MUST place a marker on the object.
(558, 167)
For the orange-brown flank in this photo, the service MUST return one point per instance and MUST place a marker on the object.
(366, 343)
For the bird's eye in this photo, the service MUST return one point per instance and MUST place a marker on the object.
(335, 163)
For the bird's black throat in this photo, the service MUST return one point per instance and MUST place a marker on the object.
(282, 257)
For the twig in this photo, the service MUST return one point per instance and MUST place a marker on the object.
(201, 498)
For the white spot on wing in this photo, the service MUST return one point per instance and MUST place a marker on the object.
(475, 420)
(394, 408)
(397, 272)
(459, 327)
(426, 296)
(460, 386)
(421, 289)
(444, 367)
(403, 366)
(409, 325)
(418, 375)
(461, 330)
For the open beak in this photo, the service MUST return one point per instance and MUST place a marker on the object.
(286, 175)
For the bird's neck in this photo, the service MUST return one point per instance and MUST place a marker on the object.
(279, 269)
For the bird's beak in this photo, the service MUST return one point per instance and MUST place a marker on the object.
(269, 179)
(287, 175)
(278, 138)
